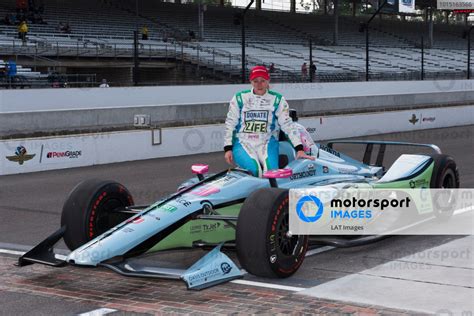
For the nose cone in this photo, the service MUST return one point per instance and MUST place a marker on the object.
(87, 257)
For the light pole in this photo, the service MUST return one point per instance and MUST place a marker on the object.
(467, 33)
(365, 27)
(136, 62)
(240, 19)
(422, 58)
(310, 60)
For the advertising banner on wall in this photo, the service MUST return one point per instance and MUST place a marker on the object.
(406, 6)
(398, 6)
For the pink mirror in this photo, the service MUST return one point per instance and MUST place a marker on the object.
(278, 173)
(200, 168)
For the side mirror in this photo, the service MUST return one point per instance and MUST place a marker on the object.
(272, 175)
(200, 170)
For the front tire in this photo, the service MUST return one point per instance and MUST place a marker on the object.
(90, 210)
(264, 247)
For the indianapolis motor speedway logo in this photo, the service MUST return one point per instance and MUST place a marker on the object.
(21, 155)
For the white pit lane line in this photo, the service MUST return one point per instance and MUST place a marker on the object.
(98, 312)
(270, 285)
(278, 286)
(12, 252)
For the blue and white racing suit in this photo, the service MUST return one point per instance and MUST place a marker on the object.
(252, 128)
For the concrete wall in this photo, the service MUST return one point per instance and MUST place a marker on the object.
(26, 112)
(60, 152)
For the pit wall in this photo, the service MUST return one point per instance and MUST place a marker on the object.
(50, 153)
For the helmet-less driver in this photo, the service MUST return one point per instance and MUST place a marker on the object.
(253, 123)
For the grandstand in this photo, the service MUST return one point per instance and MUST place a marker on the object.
(100, 42)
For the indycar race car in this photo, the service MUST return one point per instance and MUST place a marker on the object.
(229, 210)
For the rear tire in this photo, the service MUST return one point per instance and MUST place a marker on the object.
(263, 246)
(445, 173)
(89, 210)
(445, 176)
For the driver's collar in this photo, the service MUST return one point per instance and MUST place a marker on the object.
(266, 92)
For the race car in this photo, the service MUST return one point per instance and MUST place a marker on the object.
(230, 210)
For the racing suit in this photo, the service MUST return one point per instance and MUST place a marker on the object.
(252, 127)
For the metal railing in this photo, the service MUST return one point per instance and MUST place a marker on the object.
(217, 61)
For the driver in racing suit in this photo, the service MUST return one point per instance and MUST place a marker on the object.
(253, 122)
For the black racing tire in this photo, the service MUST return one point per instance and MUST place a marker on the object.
(445, 173)
(445, 176)
(89, 210)
(263, 247)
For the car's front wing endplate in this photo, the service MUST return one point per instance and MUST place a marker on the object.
(212, 269)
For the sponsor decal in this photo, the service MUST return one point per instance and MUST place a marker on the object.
(255, 127)
(429, 119)
(273, 258)
(413, 119)
(417, 183)
(183, 201)
(210, 227)
(168, 208)
(137, 220)
(330, 150)
(203, 276)
(214, 187)
(272, 243)
(64, 154)
(205, 190)
(325, 169)
(195, 229)
(311, 166)
(311, 130)
(21, 155)
(204, 228)
(225, 267)
(304, 174)
(256, 116)
(128, 230)
(346, 170)
(152, 216)
(255, 121)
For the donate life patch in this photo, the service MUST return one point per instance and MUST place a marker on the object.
(255, 121)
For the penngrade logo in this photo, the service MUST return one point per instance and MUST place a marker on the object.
(21, 155)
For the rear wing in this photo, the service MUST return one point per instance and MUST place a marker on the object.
(383, 144)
